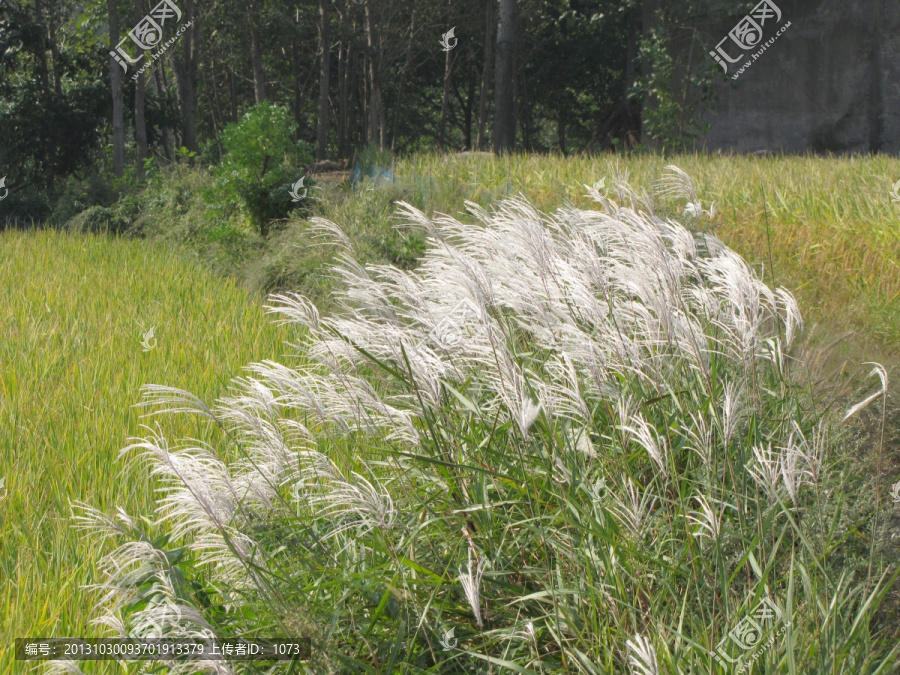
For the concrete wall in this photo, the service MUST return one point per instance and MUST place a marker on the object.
(830, 82)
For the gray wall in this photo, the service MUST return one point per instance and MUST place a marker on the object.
(831, 82)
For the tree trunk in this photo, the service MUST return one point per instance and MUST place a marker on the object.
(215, 111)
(186, 77)
(362, 91)
(343, 99)
(140, 92)
(648, 20)
(445, 99)
(630, 52)
(231, 89)
(140, 126)
(375, 135)
(295, 78)
(54, 55)
(504, 115)
(631, 125)
(470, 104)
(485, 72)
(324, 71)
(344, 65)
(41, 66)
(162, 91)
(523, 112)
(561, 129)
(118, 124)
(259, 75)
(402, 86)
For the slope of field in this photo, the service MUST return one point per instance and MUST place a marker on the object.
(73, 312)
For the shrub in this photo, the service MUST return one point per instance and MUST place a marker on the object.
(260, 165)
(23, 208)
(567, 443)
(116, 219)
(80, 194)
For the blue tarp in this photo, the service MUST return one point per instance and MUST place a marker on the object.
(377, 174)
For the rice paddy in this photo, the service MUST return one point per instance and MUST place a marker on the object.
(73, 312)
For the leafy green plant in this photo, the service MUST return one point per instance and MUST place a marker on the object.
(373, 157)
(260, 165)
(81, 193)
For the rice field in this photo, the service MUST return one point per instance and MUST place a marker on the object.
(74, 311)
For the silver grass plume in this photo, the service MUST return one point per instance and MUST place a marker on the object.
(470, 579)
(679, 185)
(641, 656)
(635, 512)
(882, 375)
(647, 437)
(608, 294)
(708, 521)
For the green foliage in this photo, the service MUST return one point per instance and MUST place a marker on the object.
(47, 132)
(81, 193)
(374, 158)
(260, 165)
(116, 219)
(673, 110)
(260, 139)
(24, 208)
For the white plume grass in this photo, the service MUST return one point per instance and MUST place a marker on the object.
(879, 372)
(642, 656)
(470, 579)
(471, 403)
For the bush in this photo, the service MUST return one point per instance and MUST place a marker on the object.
(116, 219)
(563, 444)
(260, 165)
(80, 194)
(23, 208)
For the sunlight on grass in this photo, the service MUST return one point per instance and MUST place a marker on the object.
(73, 311)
